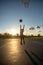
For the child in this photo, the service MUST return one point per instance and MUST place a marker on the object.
(21, 34)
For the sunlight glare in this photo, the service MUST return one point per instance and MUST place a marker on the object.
(13, 31)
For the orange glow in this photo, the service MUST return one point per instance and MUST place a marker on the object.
(12, 31)
(13, 50)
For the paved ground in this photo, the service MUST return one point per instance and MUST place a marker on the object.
(12, 53)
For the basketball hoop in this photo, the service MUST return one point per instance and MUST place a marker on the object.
(26, 3)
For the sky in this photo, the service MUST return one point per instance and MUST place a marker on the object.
(11, 11)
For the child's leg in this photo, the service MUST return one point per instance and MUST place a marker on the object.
(23, 40)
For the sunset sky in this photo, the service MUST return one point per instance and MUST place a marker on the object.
(13, 10)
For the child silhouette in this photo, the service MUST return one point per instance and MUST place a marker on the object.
(21, 34)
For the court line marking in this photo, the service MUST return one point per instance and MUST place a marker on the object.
(33, 61)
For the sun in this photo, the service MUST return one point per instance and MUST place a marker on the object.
(13, 31)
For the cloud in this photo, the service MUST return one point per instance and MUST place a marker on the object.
(31, 28)
(38, 27)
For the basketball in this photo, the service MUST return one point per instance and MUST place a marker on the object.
(20, 21)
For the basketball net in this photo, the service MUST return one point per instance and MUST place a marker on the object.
(26, 3)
